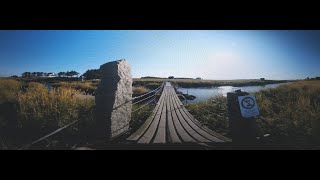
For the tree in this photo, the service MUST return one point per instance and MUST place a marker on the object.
(62, 74)
(74, 73)
(171, 77)
(92, 74)
(26, 74)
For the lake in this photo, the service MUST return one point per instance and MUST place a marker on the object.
(203, 94)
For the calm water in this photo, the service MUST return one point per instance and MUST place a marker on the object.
(204, 94)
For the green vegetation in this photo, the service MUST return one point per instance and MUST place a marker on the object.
(286, 112)
(92, 74)
(212, 113)
(192, 83)
(139, 116)
(28, 110)
(31, 111)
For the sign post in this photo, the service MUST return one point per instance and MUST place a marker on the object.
(242, 110)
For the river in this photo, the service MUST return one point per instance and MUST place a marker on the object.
(203, 94)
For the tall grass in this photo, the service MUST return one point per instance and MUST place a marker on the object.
(50, 109)
(212, 113)
(32, 112)
(8, 90)
(84, 86)
(139, 90)
(286, 112)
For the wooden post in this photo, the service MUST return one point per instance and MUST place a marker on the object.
(243, 130)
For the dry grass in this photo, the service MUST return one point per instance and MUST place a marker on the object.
(139, 90)
(8, 90)
(86, 86)
(51, 109)
(33, 111)
(287, 112)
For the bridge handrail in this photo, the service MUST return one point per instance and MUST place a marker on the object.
(66, 126)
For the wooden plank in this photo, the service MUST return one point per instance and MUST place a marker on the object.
(148, 135)
(197, 128)
(172, 134)
(161, 130)
(185, 125)
(213, 133)
(181, 132)
(135, 136)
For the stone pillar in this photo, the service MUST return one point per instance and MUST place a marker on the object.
(114, 90)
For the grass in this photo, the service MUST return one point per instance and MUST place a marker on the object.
(212, 113)
(29, 112)
(139, 90)
(189, 83)
(140, 116)
(287, 112)
(88, 87)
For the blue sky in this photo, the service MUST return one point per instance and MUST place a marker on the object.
(221, 54)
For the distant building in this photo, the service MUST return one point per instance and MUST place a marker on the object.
(171, 77)
(51, 75)
(198, 78)
(262, 79)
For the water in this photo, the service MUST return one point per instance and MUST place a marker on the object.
(203, 94)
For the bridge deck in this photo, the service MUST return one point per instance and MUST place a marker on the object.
(170, 122)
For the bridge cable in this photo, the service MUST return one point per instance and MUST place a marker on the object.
(64, 127)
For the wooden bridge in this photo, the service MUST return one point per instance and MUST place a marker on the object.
(170, 122)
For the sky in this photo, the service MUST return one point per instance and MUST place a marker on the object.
(218, 54)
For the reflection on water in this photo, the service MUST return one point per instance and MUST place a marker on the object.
(203, 94)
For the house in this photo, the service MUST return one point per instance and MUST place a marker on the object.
(51, 75)
(199, 78)
(262, 79)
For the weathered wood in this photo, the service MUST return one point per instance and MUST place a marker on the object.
(197, 128)
(135, 136)
(186, 126)
(170, 122)
(172, 133)
(182, 133)
(161, 131)
(147, 137)
(226, 139)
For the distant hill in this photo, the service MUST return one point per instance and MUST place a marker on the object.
(151, 77)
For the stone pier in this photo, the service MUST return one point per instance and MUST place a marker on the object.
(114, 90)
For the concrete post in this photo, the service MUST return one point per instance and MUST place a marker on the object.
(242, 130)
(114, 90)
